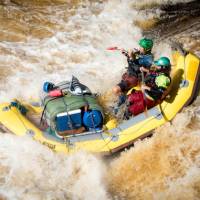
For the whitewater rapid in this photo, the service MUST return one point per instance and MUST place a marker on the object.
(53, 42)
(79, 48)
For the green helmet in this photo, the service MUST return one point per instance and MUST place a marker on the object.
(147, 44)
(162, 81)
(163, 62)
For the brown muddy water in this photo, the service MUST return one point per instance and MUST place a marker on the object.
(50, 40)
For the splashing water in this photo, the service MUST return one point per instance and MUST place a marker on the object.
(38, 173)
(79, 48)
(167, 166)
(53, 42)
(75, 45)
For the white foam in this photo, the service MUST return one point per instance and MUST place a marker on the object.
(29, 170)
(80, 49)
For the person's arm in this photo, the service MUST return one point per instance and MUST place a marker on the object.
(144, 69)
(145, 87)
(157, 92)
(126, 53)
(130, 54)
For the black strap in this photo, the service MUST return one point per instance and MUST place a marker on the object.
(69, 118)
(41, 119)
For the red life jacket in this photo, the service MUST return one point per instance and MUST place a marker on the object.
(138, 103)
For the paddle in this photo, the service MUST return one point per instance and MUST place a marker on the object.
(120, 49)
(117, 49)
(114, 48)
(145, 111)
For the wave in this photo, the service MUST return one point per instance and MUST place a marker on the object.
(49, 41)
(29, 170)
(166, 166)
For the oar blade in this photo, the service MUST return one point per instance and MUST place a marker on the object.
(112, 48)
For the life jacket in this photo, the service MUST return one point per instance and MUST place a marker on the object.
(150, 79)
(140, 60)
(145, 60)
(138, 100)
(138, 103)
(158, 82)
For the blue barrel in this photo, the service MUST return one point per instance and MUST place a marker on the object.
(92, 119)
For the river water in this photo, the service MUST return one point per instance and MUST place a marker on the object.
(51, 40)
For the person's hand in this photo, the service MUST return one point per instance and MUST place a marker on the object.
(144, 87)
(130, 53)
(143, 69)
(136, 50)
(123, 51)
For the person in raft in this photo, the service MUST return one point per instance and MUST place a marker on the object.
(136, 59)
(153, 90)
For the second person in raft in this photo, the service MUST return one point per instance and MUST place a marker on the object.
(141, 58)
(154, 89)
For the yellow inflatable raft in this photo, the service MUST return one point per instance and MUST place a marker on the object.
(185, 88)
